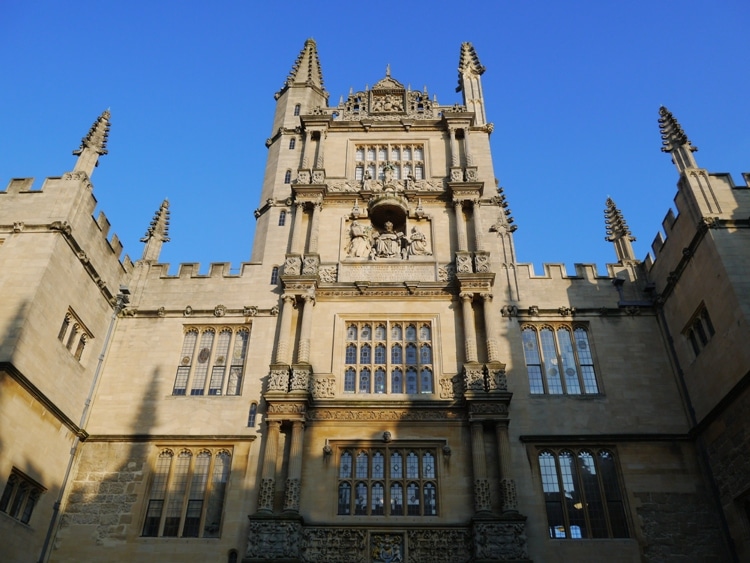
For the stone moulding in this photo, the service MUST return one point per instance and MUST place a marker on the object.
(370, 413)
(285, 540)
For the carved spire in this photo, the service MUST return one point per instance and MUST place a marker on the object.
(470, 71)
(306, 69)
(618, 233)
(675, 141)
(93, 145)
(468, 63)
(157, 233)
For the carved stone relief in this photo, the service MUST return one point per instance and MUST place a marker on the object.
(273, 540)
(292, 265)
(334, 545)
(278, 380)
(328, 274)
(439, 546)
(324, 388)
(498, 541)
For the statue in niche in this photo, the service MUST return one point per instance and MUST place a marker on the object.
(418, 243)
(387, 244)
(388, 175)
(359, 242)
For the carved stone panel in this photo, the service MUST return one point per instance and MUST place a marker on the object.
(500, 541)
(439, 546)
(387, 272)
(269, 540)
(334, 545)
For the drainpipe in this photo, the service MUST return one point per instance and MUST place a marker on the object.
(121, 299)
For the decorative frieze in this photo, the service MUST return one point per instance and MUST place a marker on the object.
(474, 378)
(439, 546)
(383, 414)
(451, 387)
(387, 272)
(334, 545)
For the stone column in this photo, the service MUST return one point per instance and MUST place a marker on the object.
(454, 147)
(312, 246)
(478, 240)
(490, 329)
(297, 242)
(291, 496)
(305, 148)
(467, 148)
(268, 477)
(303, 354)
(507, 484)
(481, 483)
(320, 160)
(470, 333)
(463, 245)
(283, 352)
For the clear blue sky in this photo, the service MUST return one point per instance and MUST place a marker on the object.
(573, 89)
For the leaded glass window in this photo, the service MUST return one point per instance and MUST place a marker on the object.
(384, 478)
(405, 160)
(186, 495)
(582, 494)
(559, 359)
(205, 352)
(398, 355)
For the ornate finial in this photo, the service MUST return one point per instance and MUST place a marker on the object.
(618, 232)
(93, 145)
(672, 134)
(157, 233)
(306, 69)
(96, 139)
(388, 69)
(468, 63)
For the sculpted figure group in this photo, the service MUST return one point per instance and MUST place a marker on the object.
(365, 241)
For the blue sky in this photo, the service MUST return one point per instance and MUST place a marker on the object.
(573, 89)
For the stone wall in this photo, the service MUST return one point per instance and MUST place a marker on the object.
(680, 527)
(104, 490)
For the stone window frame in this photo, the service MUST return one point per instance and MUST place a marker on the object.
(382, 488)
(699, 330)
(187, 490)
(292, 143)
(20, 496)
(212, 361)
(347, 368)
(282, 218)
(544, 373)
(274, 275)
(368, 156)
(74, 334)
(597, 509)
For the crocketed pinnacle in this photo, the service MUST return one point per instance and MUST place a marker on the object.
(96, 140)
(306, 69)
(618, 233)
(672, 134)
(157, 234)
(159, 226)
(468, 63)
(615, 222)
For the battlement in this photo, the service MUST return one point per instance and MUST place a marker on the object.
(66, 205)
(558, 271)
(702, 197)
(191, 270)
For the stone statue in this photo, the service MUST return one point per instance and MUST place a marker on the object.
(359, 242)
(387, 244)
(418, 244)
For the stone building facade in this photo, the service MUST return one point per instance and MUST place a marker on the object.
(383, 382)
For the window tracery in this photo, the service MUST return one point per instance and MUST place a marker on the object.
(387, 481)
(559, 359)
(220, 351)
(396, 158)
(396, 357)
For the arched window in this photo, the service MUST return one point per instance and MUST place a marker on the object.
(292, 143)
(425, 385)
(397, 381)
(297, 109)
(251, 417)
(232, 556)
(365, 354)
(411, 381)
(397, 354)
(411, 354)
(364, 380)
(380, 354)
(349, 380)
(425, 354)
(351, 332)
(288, 177)
(282, 218)
(351, 354)
(380, 380)
(345, 499)
(274, 275)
